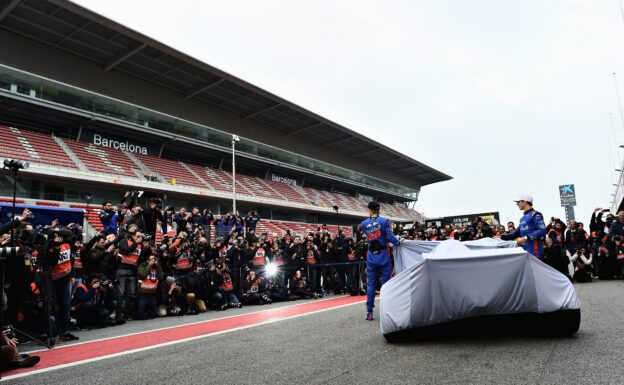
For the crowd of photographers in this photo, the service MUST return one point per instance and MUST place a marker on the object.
(152, 262)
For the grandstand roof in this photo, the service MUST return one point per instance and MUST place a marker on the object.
(79, 31)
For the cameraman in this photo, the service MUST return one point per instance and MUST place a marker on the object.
(57, 258)
(252, 220)
(151, 216)
(109, 217)
(126, 274)
(181, 257)
(150, 274)
(88, 303)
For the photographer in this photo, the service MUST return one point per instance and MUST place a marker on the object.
(299, 286)
(583, 265)
(254, 290)
(182, 219)
(227, 287)
(88, 303)
(109, 217)
(126, 273)
(573, 237)
(181, 256)
(252, 220)
(555, 256)
(10, 358)
(311, 259)
(150, 274)
(208, 218)
(151, 216)
(57, 258)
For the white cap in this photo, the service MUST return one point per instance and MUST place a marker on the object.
(524, 197)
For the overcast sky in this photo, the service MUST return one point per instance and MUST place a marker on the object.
(506, 97)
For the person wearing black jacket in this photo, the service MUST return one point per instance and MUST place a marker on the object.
(555, 257)
(573, 238)
(126, 274)
(57, 258)
(88, 304)
(151, 216)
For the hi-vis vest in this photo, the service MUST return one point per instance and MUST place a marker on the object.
(184, 261)
(310, 258)
(255, 284)
(227, 285)
(259, 258)
(132, 258)
(77, 261)
(150, 283)
(63, 267)
(222, 254)
(170, 231)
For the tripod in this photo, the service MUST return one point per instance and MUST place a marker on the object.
(14, 166)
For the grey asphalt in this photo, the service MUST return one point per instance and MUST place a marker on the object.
(339, 347)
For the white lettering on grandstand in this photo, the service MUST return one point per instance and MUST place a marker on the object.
(283, 179)
(98, 140)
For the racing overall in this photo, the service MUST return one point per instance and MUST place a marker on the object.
(378, 233)
(533, 227)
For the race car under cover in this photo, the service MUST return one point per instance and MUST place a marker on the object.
(482, 288)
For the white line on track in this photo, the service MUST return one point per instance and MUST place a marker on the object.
(21, 375)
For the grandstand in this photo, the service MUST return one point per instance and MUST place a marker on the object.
(111, 109)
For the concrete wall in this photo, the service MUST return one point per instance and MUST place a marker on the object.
(32, 56)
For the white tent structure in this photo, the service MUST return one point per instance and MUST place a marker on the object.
(450, 284)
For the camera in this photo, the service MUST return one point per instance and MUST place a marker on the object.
(147, 237)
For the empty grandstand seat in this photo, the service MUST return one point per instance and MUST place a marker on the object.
(92, 214)
(33, 147)
(102, 159)
(170, 170)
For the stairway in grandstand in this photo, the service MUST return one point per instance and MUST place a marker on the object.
(46, 150)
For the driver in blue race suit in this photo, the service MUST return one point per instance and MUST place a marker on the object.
(531, 230)
(378, 232)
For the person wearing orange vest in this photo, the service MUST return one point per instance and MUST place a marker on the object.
(150, 274)
(227, 287)
(181, 258)
(58, 259)
(126, 274)
(254, 290)
(87, 305)
(258, 261)
(311, 256)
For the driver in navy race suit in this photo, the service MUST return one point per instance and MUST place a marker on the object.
(531, 231)
(378, 232)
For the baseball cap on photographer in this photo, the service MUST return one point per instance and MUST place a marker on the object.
(524, 197)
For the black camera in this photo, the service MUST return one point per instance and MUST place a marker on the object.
(147, 237)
